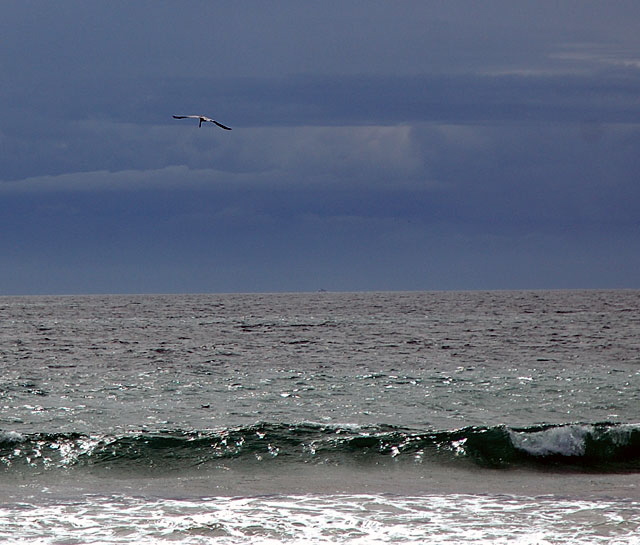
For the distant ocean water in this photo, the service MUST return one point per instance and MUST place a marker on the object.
(448, 417)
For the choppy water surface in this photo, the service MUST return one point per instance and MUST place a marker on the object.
(391, 414)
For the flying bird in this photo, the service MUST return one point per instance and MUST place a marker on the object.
(203, 119)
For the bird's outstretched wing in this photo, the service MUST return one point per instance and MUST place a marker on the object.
(202, 119)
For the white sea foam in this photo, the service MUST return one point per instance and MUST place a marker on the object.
(564, 441)
(11, 437)
(351, 519)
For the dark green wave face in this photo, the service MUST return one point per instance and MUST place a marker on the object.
(602, 447)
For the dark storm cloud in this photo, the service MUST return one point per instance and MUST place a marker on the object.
(608, 94)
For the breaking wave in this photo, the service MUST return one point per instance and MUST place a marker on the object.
(604, 447)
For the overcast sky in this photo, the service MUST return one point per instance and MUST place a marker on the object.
(401, 145)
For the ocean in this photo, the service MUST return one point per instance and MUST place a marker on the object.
(352, 418)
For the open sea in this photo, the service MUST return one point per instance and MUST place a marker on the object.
(352, 418)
